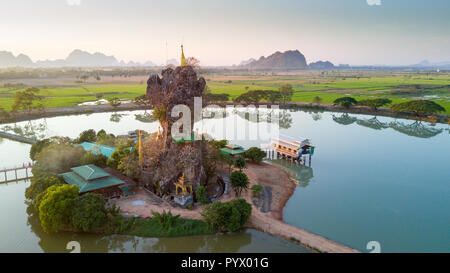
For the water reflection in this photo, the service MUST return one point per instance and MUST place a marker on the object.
(416, 128)
(372, 123)
(116, 117)
(31, 129)
(145, 118)
(302, 174)
(344, 119)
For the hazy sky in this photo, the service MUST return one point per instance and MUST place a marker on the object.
(227, 32)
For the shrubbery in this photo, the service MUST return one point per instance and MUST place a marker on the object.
(255, 154)
(230, 216)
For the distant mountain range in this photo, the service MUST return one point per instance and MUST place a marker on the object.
(77, 58)
(291, 59)
(278, 60)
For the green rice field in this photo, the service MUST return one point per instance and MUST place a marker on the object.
(397, 86)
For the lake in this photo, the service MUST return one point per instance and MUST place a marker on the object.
(371, 179)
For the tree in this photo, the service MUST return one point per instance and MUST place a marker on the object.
(345, 102)
(201, 195)
(58, 158)
(287, 92)
(239, 182)
(230, 216)
(88, 212)
(38, 146)
(114, 102)
(129, 166)
(317, 99)
(55, 207)
(142, 101)
(40, 183)
(87, 136)
(418, 107)
(374, 103)
(240, 163)
(192, 61)
(273, 96)
(95, 159)
(27, 100)
(255, 154)
(227, 159)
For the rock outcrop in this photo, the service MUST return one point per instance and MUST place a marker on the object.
(176, 86)
(320, 65)
(291, 59)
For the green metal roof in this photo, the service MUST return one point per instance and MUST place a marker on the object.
(73, 178)
(96, 148)
(184, 139)
(232, 151)
(90, 172)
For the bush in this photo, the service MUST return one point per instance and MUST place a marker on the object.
(239, 182)
(230, 216)
(256, 190)
(55, 207)
(87, 136)
(88, 212)
(201, 195)
(165, 220)
(255, 154)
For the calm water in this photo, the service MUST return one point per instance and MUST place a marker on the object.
(381, 179)
(21, 232)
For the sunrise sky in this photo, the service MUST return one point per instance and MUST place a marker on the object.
(357, 32)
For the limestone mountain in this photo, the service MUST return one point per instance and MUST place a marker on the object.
(321, 65)
(7, 59)
(77, 58)
(280, 60)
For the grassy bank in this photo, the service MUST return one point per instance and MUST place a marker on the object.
(182, 227)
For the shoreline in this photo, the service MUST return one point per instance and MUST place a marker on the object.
(90, 109)
(281, 188)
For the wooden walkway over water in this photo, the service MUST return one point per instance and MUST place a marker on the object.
(17, 138)
(15, 170)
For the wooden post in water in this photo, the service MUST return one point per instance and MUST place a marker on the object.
(310, 160)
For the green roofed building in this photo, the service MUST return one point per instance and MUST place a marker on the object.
(90, 178)
(233, 150)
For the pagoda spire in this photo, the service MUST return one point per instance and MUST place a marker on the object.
(183, 59)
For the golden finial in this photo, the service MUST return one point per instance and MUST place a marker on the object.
(183, 59)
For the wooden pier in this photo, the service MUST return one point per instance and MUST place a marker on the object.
(16, 178)
(17, 138)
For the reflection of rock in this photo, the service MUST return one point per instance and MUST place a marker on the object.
(373, 123)
(302, 174)
(264, 200)
(344, 119)
(417, 129)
